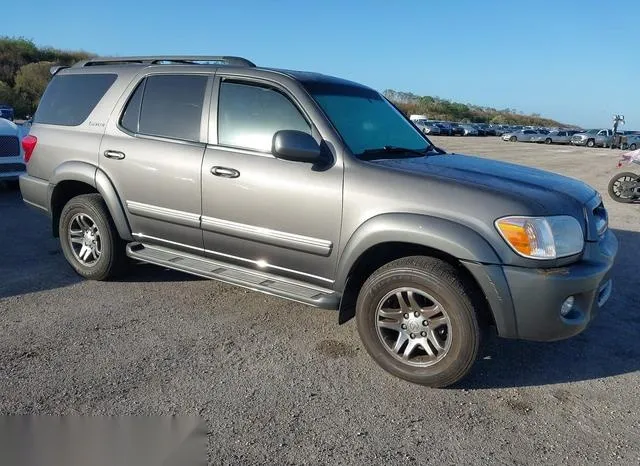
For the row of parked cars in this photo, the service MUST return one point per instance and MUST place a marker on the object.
(589, 138)
(449, 128)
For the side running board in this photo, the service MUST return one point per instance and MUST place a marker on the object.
(235, 275)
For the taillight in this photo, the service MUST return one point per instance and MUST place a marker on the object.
(28, 144)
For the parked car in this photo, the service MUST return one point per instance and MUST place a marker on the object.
(6, 112)
(555, 137)
(469, 130)
(271, 180)
(11, 163)
(456, 129)
(593, 138)
(632, 141)
(524, 135)
(445, 128)
(428, 127)
(480, 129)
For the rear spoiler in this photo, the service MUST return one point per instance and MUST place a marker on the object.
(54, 69)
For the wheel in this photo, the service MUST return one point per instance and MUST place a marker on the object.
(591, 143)
(548, 141)
(89, 238)
(416, 319)
(619, 189)
(633, 146)
(513, 139)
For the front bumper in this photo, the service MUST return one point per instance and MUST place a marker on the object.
(579, 142)
(526, 302)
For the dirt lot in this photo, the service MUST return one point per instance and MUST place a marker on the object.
(282, 383)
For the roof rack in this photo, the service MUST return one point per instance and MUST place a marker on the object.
(163, 60)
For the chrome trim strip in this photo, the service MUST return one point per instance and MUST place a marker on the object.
(259, 264)
(265, 235)
(153, 238)
(264, 265)
(162, 213)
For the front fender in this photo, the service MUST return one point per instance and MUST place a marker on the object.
(443, 235)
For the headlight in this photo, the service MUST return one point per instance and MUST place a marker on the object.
(542, 237)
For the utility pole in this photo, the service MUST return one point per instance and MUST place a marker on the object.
(617, 119)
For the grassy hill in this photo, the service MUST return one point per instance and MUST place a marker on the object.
(24, 71)
(24, 74)
(441, 109)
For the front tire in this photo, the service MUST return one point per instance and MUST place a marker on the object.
(548, 141)
(417, 320)
(617, 189)
(591, 143)
(633, 146)
(513, 139)
(89, 238)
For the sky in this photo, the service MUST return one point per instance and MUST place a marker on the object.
(577, 61)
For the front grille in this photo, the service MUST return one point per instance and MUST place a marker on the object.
(12, 167)
(9, 146)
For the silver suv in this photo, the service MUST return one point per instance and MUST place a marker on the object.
(318, 190)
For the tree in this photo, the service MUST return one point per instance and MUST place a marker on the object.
(31, 81)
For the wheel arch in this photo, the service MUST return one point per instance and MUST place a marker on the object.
(74, 178)
(392, 236)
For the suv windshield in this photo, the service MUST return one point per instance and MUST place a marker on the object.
(366, 121)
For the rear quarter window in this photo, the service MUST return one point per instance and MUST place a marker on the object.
(69, 99)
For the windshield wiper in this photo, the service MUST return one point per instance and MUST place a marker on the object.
(369, 154)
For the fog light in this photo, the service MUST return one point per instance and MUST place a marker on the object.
(567, 306)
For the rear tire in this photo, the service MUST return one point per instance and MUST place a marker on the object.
(432, 337)
(89, 238)
(633, 146)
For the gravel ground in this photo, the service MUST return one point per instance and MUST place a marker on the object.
(281, 383)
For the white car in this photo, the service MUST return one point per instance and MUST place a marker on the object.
(11, 154)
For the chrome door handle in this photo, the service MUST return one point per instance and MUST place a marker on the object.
(114, 154)
(225, 172)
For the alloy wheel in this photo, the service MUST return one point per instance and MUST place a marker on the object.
(413, 327)
(84, 239)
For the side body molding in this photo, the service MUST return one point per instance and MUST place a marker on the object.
(452, 238)
(93, 176)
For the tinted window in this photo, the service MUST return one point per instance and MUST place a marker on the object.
(131, 116)
(69, 99)
(172, 106)
(249, 116)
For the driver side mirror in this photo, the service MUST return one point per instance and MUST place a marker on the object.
(295, 146)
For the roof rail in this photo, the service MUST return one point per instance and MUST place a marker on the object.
(171, 59)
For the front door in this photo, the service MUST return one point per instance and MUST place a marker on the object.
(153, 155)
(279, 216)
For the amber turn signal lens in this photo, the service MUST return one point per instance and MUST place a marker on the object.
(516, 235)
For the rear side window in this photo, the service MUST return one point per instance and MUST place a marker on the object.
(249, 115)
(172, 106)
(131, 117)
(69, 99)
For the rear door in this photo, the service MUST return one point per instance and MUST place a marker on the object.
(152, 152)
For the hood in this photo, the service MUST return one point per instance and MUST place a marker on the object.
(8, 128)
(533, 185)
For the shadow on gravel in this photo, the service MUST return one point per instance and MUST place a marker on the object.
(31, 259)
(610, 346)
